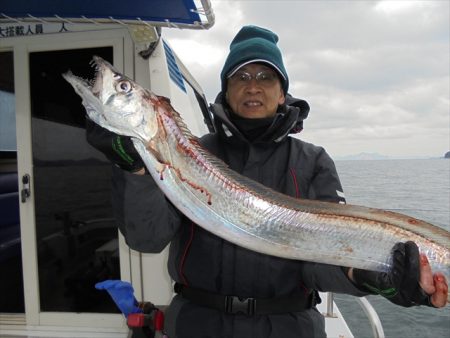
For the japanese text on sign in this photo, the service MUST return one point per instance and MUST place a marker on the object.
(14, 30)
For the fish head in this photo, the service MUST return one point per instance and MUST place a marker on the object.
(116, 102)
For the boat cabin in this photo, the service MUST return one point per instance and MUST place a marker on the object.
(58, 235)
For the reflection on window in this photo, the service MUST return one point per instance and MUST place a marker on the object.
(200, 120)
(7, 122)
(7, 103)
(11, 281)
(76, 232)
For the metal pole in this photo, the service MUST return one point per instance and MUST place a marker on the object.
(330, 308)
(375, 322)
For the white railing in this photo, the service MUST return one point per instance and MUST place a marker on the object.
(374, 319)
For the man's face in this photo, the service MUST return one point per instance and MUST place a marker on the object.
(257, 95)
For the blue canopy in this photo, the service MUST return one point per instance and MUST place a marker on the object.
(183, 13)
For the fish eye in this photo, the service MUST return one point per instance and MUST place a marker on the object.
(124, 86)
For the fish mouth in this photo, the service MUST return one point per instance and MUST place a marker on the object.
(91, 90)
(95, 85)
(100, 66)
(85, 86)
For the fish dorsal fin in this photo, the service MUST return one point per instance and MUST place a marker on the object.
(169, 110)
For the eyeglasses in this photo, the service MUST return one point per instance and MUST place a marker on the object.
(264, 77)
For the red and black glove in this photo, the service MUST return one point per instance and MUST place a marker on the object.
(117, 148)
(400, 284)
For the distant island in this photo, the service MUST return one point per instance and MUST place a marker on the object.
(364, 156)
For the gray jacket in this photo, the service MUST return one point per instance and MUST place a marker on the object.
(202, 260)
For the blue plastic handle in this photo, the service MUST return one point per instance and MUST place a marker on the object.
(122, 294)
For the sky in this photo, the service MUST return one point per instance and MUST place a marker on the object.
(375, 73)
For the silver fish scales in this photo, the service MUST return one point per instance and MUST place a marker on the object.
(238, 209)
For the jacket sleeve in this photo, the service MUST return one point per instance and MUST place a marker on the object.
(145, 217)
(325, 184)
(328, 278)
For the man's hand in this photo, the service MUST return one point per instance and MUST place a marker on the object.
(434, 285)
(118, 149)
(409, 282)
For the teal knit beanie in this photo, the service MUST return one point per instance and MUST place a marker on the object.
(254, 44)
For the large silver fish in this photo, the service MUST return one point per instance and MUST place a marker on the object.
(238, 209)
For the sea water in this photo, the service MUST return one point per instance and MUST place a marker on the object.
(419, 188)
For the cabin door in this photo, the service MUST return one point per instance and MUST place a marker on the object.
(67, 234)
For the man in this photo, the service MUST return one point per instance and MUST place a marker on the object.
(225, 290)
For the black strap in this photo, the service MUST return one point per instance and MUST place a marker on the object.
(249, 306)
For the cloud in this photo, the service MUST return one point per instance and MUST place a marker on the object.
(394, 7)
(376, 73)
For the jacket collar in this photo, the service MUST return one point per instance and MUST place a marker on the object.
(288, 120)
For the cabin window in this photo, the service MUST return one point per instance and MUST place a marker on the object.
(200, 109)
(11, 300)
(77, 237)
(7, 104)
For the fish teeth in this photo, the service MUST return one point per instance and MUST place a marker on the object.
(94, 65)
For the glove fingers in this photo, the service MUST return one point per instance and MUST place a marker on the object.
(118, 149)
(410, 283)
(397, 273)
(420, 276)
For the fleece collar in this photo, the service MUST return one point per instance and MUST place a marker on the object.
(288, 120)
